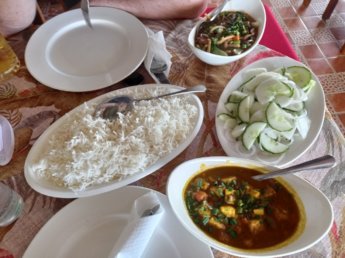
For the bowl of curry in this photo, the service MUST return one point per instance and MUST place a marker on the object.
(219, 202)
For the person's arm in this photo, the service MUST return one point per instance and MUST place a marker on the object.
(157, 9)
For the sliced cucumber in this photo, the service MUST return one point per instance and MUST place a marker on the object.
(299, 74)
(258, 116)
(250, 73)
(278, 119)
(283, 101)
(267, 90)
(238, 130)
(224, 116)
(244, 108)
(252, 84)
(251, 133)
(309, 86)
(242, 86)
(232, 109)
(229, 122)
(236, 96)
(296, 107)
(268, 110)
(271, 145)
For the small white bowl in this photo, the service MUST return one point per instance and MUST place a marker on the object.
(317, 224)
(255, 9)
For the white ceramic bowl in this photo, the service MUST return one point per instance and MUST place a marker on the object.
(317, 224)
(255, 9)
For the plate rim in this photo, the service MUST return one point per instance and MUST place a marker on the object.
(59, 192)
(33, 53)
(227, 89)
(74, 205)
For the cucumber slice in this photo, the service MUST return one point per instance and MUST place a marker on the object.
(252, 84)
(278, 119)
(296, 107)
(299, 74)
(242, 86)
(224, 117)
(250, 73)
(309, 86)
(229, 122)
(244, 108)
(232, 109)
(267, 90)
(283, 101)
(271, 145)
(238, 130)
(251, 133)
(258, 116)
(236, 96)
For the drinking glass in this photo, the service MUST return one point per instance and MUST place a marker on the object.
(9, 62)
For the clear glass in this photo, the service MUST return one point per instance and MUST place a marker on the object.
(9, 62)
(11, 205)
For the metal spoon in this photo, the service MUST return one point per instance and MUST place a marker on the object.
(217, 11)
(151, 211)
(326, 161)
(121, 104)
(85, 7)
(158, 68)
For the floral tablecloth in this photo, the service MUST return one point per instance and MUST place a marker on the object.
(31, 107)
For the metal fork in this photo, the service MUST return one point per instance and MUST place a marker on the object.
(85, 6)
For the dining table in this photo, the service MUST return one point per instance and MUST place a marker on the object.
(32, 107)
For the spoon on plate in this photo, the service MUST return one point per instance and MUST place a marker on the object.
(122, 104)
(326, 161)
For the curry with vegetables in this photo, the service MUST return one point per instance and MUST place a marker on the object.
(231, 207)
(230, 33)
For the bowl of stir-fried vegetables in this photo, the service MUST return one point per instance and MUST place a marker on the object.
(231, 35)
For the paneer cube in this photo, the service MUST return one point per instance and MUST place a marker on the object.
(215, 223)
(255, 226)
(228, 211)
(228, 180)
(230, 197)
(259, 211)
(255, 193)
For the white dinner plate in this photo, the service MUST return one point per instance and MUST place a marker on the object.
(65, 54)
(315, 106)
(47, 187)
(89, 227)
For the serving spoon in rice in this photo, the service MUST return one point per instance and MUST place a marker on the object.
(122, 104)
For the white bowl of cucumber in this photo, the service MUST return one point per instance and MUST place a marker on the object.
(271, 111)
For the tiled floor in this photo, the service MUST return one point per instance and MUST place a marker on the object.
(318, 44)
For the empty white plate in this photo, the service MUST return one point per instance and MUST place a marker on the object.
(66, 54)
(90, 227)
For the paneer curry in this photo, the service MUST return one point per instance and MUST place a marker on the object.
(231, 207)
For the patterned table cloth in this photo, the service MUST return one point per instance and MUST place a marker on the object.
(31, 107)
